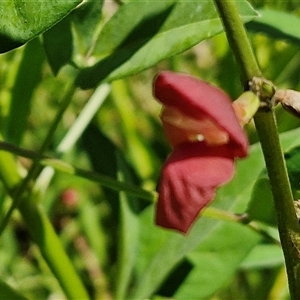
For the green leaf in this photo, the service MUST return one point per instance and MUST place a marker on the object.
(27, 79)
(106, 158)
(292, 159)
(86, 19)
(58, 44)
(88, 217)
(167, 250)
(6, 292)
(261, 206)
(94, 142)
(216, 260)
(138, 151)
(71, 39)
(128, 234)
(50, 246)
(21, 21)
(141, 34)
(287, 28)
(264, 256)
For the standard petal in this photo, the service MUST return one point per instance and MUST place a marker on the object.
(196, 98)
(188, 182)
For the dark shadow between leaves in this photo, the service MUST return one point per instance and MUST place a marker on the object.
(139, 36)
(7, 43)
(258, 27)
(175, 279)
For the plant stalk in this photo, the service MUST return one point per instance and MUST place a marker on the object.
(42, 231)
(26, 199)
(35, 167)
(265, 123)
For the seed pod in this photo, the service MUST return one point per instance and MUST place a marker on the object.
(290, 101)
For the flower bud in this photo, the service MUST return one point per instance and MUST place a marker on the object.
(290, 101)
(246, 106)
(70, 198)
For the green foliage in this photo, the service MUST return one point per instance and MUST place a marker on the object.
(21, 21)
(162, 29)
(71, 40)
(292, 162)
(261, 206)
(6, 292)
(58, 45)
(268, 23)
(28, 77)
(84, 218)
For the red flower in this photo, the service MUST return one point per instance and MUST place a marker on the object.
(200, 123)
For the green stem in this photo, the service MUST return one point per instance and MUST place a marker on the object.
(42, 231)
(267, 130)
(212, 212)
(51, 248)
(35, 167)
(104, 180)
(27, 200)
(67, 168)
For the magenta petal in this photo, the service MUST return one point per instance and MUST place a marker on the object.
(188, 182)
(196, 98)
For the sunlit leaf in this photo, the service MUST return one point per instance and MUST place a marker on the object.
(287, 28)
(21, 21)
(149, 32)
(86, 19)
(264, 256)
(71, 39)
(216, 260)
